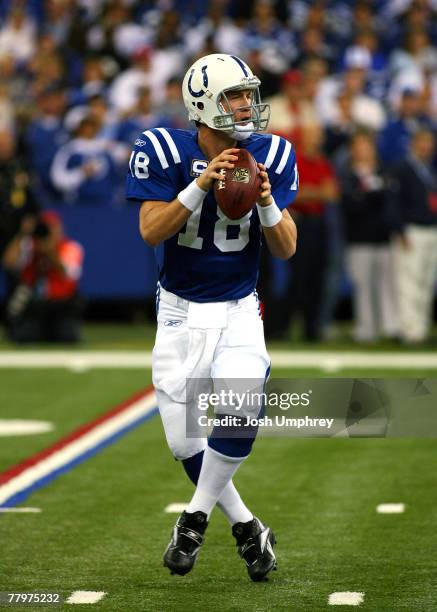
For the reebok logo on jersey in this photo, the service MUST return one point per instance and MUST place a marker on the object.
(139, 142)
(172, 323)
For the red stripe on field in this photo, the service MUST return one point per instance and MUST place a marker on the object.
(15, 470)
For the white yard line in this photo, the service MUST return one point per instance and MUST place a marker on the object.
(75, 360)
(85, 597)
(346, 598)
(329, 361)
(390, 508)
(342, 359)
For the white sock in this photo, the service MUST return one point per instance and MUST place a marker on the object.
(217, 471)
(232, 506)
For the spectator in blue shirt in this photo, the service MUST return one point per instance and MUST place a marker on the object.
(86, 169)
(395, 138)
(44, 136)
(142, 118)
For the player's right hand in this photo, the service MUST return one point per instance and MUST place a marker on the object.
(211, 173)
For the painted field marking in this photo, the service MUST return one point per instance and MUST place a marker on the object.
(175, 508)
(24, 427)
(18, 482)
(338, 360)
(346, 598)
(85, 597)
(390, 508)
(331, 364)
(80, 361)
(78, 366)
(21, 510)
(77, 361)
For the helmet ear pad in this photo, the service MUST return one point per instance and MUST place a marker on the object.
(205, 85)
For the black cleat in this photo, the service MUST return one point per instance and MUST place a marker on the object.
(187, 538)
(255, 544)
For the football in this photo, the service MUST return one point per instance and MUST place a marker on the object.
(236, 193)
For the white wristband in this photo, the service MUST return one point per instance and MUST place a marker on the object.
(269, 215)
(192, 196)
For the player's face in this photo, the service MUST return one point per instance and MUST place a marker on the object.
(239, 103)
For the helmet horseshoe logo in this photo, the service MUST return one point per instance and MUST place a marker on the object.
(200, 93)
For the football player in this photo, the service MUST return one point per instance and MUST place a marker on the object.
(209, 323)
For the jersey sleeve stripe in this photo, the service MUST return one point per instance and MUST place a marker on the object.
(158, 149)
(171, 144)
(295, 183)
(284, 158)
(272, 151)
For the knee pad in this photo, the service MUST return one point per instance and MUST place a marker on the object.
(174, 423)
(185, 448)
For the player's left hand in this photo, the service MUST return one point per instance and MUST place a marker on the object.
(265, 193)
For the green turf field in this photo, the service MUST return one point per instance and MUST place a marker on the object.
(103, 526)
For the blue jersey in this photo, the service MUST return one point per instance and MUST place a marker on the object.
(212, 258)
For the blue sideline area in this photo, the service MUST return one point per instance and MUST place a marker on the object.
(117, 262)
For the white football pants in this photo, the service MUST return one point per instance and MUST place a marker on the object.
(219, 340)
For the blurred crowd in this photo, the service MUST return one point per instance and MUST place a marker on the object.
(352, 84)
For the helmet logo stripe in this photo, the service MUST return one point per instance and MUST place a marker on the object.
(241, 64)
(205, 76)
(200, 93)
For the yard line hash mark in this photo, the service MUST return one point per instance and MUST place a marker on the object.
(177, 508)
(346, 598)
(85, 597)
(21, 510)
(390, 508)
(24, 427)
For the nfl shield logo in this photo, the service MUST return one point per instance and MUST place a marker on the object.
(241, 175)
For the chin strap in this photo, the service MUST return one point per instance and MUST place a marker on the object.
(243, 132)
